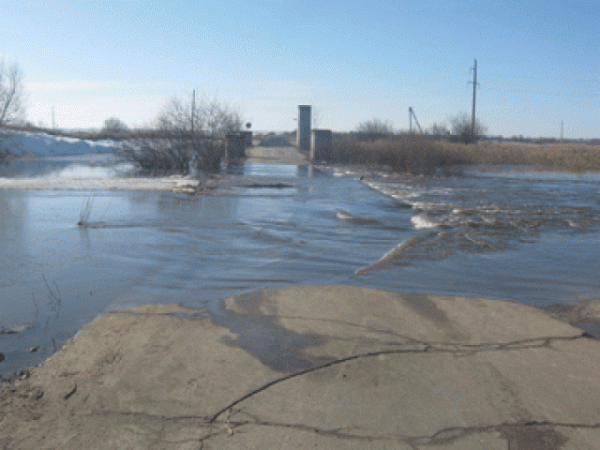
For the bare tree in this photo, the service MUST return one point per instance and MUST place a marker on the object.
(439, 130)
(374, 129)
(114, 125)
(175, 148)
(12, 108)
(176, 117)
(209, 117)
(461, 127)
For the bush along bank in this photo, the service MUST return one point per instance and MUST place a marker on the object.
(174, 154)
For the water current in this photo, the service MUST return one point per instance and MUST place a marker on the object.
(507, 234)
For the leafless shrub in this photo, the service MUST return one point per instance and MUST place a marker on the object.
(462, 129)
(374, 129)
(114, 125)
(10, 145)
(188, 138)
(439, 130)
(85, 213)
(163, 155)
(54, 306)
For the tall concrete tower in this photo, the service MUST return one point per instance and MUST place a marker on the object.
(303, 133)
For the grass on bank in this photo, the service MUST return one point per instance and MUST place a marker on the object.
(419, 154)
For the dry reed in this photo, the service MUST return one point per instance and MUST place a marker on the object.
(419, 154)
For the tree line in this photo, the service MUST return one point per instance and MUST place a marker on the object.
(186, 137)
(459, 130)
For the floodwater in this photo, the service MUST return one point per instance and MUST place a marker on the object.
(527, 237)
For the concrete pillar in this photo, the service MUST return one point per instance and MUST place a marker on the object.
(236, 145)
(303, 133)
(247, 138)
(320, 145)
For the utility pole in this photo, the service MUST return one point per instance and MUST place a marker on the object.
(411, 114)
(192, 164)
(193, 110)
(562, 130)
(474, 97)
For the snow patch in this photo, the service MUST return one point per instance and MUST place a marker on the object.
(42, 144)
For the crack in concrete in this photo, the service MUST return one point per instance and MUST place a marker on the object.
(459, 349)
(407, 339)
(148, 416)
(304, 372)
(201, 314)
(513, 433)
(543, 433)
(535, 435)
(456, 349)
(509, 431)
(204, 315)
(518, 435)
(352, 324)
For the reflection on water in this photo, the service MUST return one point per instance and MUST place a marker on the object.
(71, 167)
(528, 239)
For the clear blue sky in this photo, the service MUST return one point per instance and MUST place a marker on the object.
(538, 61)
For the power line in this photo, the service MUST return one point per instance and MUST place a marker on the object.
(553, 93)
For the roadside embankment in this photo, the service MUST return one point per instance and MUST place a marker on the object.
(315, 367)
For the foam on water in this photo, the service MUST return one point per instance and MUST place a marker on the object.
(344, 215)
(422, 222)
(395, 255)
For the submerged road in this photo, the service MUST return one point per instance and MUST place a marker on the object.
(276, 155)
(306, 366)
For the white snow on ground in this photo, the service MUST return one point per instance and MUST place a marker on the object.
(41, 144)
(173, 183)
(80, 176)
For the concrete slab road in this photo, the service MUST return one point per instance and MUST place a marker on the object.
(331, 367)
